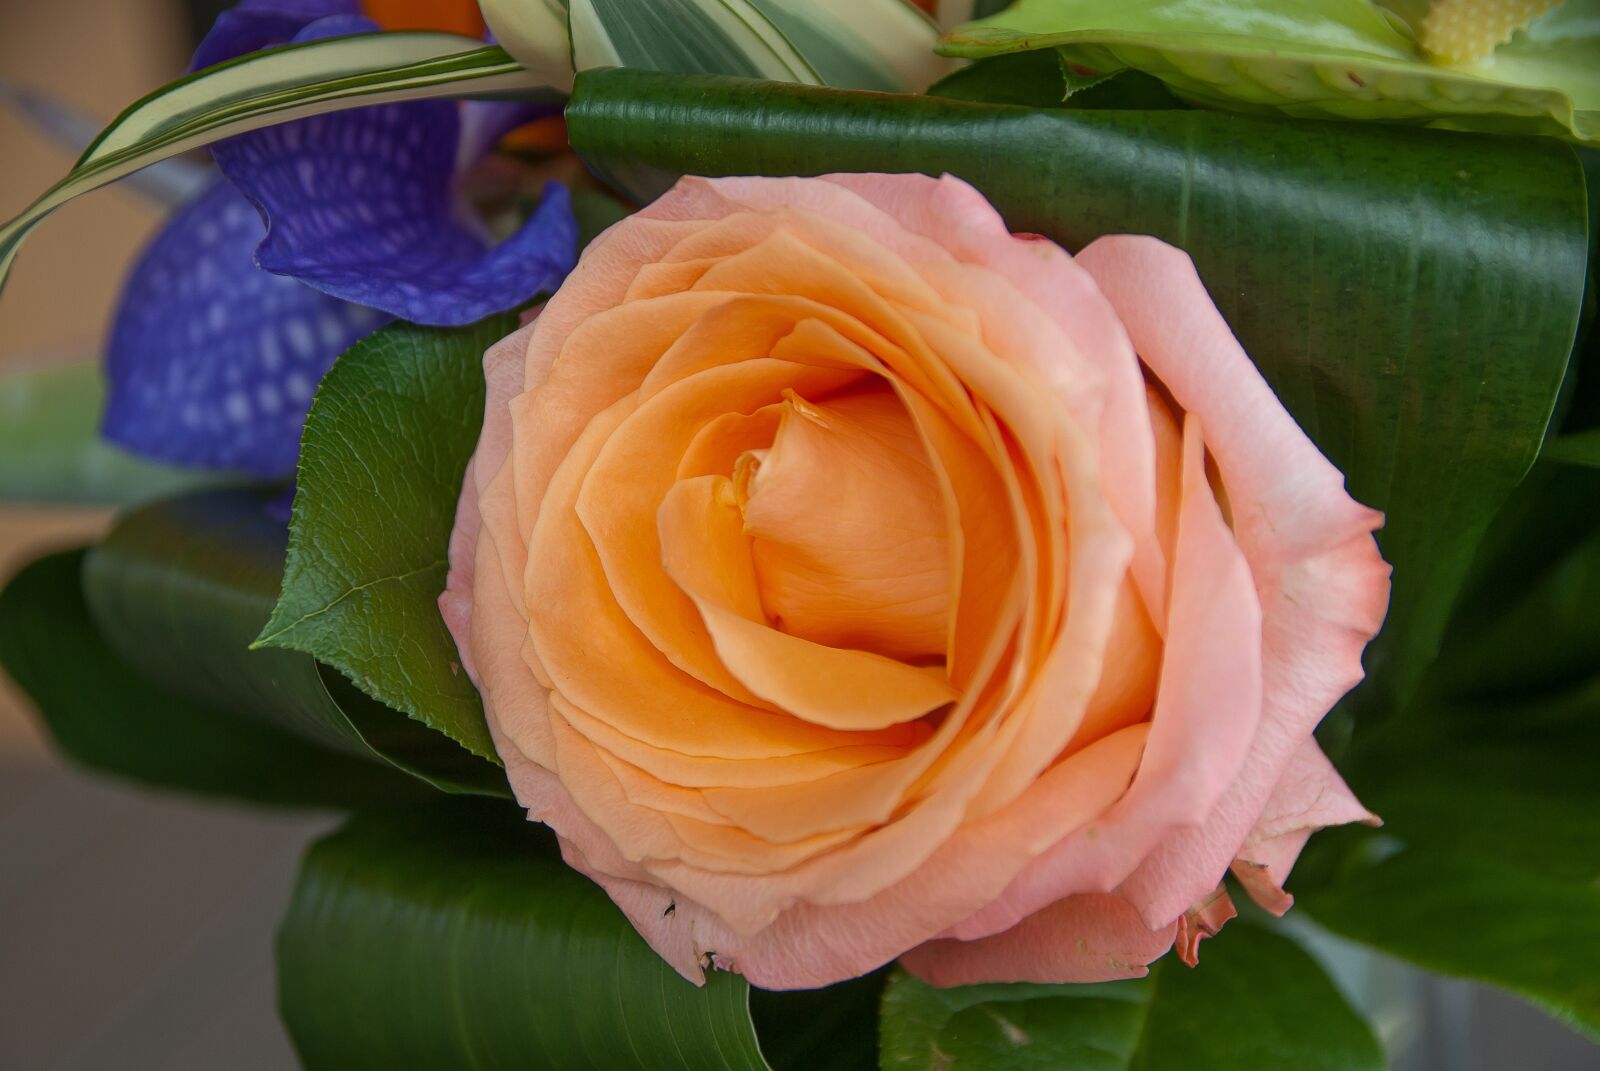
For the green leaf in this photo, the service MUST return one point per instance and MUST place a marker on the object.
(1466, 915)
(535, 32)
(381, 465)
(1487, 786)
(1040, 79)
(1538, 632)
(1411, 296)
(855, 44)
(264, 88)
(1333, 59)
(165, 185)
(456, 937)
(51, 449)
(180, 588)
(109, 717)
(1256, 1001)
(1578, 448)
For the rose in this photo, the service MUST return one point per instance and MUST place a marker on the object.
(842, 586)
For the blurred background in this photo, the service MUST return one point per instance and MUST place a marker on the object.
(136, 927)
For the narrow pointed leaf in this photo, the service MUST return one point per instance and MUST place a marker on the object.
(856, 44)
(179, 589)
(1411, 296)
(270, 87)
(109, 717)
(167, 184)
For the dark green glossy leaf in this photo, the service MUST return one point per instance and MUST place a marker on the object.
(1487, 786)
(456, 937)
(1040, 79)
(106, 715)
(1578, 448)
(180, 588)
(1540, 637)
(1463, 914)
(1412, 296)
(51, 449)
(1256, 1001)
(381, 462)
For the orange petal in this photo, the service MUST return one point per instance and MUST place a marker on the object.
(632, 474)
(596, 658)
(849, 528)
(707, 552)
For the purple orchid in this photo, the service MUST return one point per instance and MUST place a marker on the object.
(320, 231)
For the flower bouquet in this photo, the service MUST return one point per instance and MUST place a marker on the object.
(821, 534)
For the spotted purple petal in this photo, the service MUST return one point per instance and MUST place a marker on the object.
(212, 361)
(363, 205)
(252, 25)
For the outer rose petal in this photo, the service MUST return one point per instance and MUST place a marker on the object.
(1310, 796)
(1207, 708)
(1096, 937)
(502, 374)
(1323, 586)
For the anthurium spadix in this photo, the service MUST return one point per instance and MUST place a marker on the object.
(849, 44)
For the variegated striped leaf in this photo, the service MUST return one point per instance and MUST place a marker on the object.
(854, 44)
(265, 88)
(535, 32)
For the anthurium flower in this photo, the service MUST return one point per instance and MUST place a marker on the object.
(324, 229)
(849, 579)
(1502, 66)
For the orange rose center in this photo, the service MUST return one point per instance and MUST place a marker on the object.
(847, 526)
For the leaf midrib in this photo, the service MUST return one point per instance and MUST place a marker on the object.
(275, 637)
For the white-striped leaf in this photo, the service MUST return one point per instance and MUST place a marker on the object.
(168, 184)
(852, 44)
(266, 88)
(535, 32)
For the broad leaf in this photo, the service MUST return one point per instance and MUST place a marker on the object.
(1487, 787)
(381, 465)
(1339, 59)
(180, 588)
(264, 88)
(1462, 914)
(1255, 1001)
(106, 715)
(456, 937)
(1411, 296)
(51, 449)
(854, 44)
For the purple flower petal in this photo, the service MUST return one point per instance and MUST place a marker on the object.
(363, 205)
(252, 25)
(212, 361)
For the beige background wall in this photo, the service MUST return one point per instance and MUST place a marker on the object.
(97, 55)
